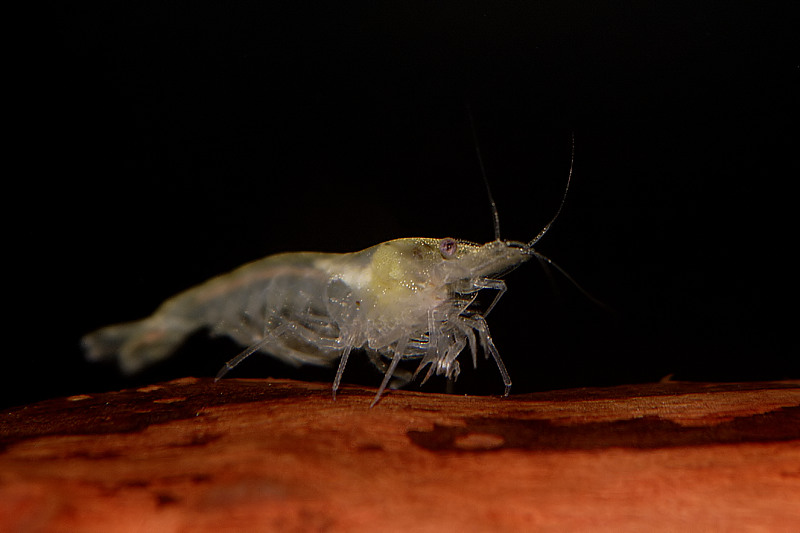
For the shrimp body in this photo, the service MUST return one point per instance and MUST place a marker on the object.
(411, 298)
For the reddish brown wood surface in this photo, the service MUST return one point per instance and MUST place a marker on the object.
(252, 455)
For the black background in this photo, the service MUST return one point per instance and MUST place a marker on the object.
(173, 141)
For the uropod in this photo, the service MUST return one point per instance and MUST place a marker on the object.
(409, 298)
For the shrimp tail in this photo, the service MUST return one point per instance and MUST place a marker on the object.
(136, 345)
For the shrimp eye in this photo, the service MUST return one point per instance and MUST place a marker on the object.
(448, 247)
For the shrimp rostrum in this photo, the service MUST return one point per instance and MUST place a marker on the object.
(411, 298)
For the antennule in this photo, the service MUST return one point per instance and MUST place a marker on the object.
(563, 199)
(495, 214)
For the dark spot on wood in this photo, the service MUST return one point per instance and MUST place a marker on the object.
(91, 456)
(164, 498)
(198, 440)
(134, 410)
(135, 484)
(641, 433)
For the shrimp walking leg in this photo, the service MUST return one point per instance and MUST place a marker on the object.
(479, 324)
(233, 363)
(340, 371)
(497, 284)
(398, 356)
(274, 337)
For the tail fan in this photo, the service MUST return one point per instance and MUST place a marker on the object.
(136, 345)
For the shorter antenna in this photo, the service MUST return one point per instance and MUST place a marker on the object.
(563, 198)
(495, 214)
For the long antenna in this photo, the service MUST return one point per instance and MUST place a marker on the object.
(495, 214)
(563, 199)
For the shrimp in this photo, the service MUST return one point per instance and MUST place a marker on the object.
(408, 298)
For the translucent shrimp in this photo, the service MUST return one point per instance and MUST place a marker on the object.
(411, 298)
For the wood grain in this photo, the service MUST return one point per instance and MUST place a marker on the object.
(272, 455)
